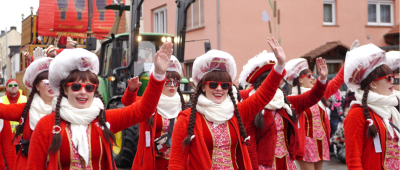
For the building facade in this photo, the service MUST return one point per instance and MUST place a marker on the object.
(309, 29)
(13, 38)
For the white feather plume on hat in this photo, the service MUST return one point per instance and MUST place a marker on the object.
(254, 63)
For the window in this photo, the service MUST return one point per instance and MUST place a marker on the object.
(380, 12)
(195, 15)
(329, 12)
(160, 20)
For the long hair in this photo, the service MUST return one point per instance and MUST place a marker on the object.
(219, 76)
(296, 82)
(38, 79)
(174, 75)
(259, 119)
(380, 71)
(75, 76)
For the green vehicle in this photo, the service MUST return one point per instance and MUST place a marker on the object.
(126, 55)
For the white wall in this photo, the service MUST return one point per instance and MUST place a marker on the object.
(15, 64)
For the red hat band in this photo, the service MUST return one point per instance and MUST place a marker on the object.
(218, 64)
(357, 75)
(258, 71)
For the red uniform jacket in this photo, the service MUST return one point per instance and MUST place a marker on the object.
(13, 112)
(196, 155)
(7, 147)
(332, 88)
(264, 152)
(360, 150)
(119, 119)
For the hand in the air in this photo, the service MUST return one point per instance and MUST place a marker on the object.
(322, 68)
(162, 58)
(134, 83)
(278, 51)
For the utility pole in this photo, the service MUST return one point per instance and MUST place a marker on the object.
(7, 58)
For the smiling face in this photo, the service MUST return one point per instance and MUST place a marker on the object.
(307, 79)
(81, 98)
(217, 95)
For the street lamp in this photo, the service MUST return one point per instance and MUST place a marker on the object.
(31, 24)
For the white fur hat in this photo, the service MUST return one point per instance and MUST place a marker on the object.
(213, 60)
(35, 68)
(174, 65)
(360, 62)
(293, 69)
(256, 66)
(393, 59)
(70, 60)
(51, 48)
(70, 41)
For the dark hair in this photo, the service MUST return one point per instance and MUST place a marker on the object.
(296, 82)
(380, 71)
(259, 119)
(74, 76)
(38, 79)
(219, 76)
(396, 71)
(174, 75)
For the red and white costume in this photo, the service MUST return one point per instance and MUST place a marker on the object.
(167, 108)
(39, 109)
(381, 152)
(216, 142)
(393, 61)
(313, 126)
(276, 145)
(86, 148)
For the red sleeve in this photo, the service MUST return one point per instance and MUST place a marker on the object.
(129, 97)
(179, 155)
(11, 112)
(354, 129)
(335, 84)
(244, 94)
(40, 143)
(255, 103)
(7, 147)
(309, 98)
(139, 111)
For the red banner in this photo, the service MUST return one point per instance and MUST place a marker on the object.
(103, 19)
(70, 16)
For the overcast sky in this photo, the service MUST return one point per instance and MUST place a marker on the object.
(11, 11)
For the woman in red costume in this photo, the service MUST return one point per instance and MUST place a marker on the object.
(79, 133)
(372, 125)
(313, 126)
(273, 132)
(157, 128)
(211, 134)
(37, 106)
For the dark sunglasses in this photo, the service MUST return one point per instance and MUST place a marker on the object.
(389, 78)
(11, 85)
(78, 87)
(308, 75)
(170, 82)
(214, 85)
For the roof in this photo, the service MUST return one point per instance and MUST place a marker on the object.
(395, 30)
(323, 49)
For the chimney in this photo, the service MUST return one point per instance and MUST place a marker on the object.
(3, 32)
(13, 28)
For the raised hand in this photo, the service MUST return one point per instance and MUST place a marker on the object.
(322, 68)
(134, 83)
(162, 58)
(278, 51)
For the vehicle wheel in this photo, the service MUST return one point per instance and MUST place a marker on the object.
(127, 141)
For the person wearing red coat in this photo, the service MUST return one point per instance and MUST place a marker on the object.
(79, 133)
(211, 134)
(168, 107)
(372, 124)
(37, 106)
(273, 132)
(313, 126)
(6, 145)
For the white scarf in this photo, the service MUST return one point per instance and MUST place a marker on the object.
(397, 93)
(382, 105)
(303, 90)
(80, 119)
(38, 110)
(216, 113)
(169, 107)
(278, 102)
